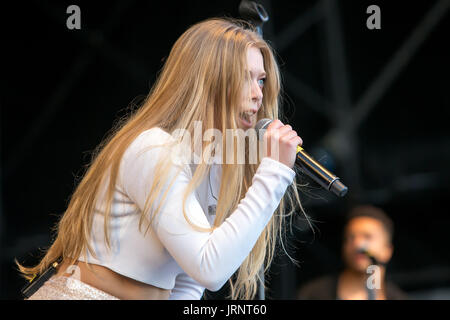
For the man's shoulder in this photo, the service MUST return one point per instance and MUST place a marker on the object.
(393, 292)
(323, 287)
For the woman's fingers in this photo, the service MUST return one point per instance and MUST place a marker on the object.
(286, 141)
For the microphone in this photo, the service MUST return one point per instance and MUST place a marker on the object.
(373, 260)
(311, 167)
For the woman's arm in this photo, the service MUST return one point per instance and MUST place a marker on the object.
(186, 288)
(210, 258)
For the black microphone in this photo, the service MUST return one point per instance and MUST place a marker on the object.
(364, 251)
(311, 167)
(373, 260)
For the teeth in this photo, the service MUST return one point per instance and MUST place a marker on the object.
(246, 115)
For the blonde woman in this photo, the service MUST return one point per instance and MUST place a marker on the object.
(140, 226)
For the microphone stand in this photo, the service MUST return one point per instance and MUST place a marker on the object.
(371, 293)
(257, 15)
(254, 13)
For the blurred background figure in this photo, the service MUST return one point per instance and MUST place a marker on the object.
(366, 250)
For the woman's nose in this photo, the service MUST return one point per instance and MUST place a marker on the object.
(257, 94)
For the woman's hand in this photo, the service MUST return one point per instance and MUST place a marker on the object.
(281, 143)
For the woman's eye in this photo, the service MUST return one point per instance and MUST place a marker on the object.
(262, 81)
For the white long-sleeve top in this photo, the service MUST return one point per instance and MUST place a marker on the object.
(174, 255)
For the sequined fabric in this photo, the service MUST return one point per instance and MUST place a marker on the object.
(65, 288)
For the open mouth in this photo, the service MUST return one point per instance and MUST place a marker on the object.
(246, 118)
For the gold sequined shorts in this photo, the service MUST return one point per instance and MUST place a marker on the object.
(67, 288)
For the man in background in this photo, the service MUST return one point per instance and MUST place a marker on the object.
(367, 248)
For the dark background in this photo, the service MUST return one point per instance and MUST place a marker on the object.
(62, 90)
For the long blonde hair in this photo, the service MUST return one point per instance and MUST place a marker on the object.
(201, 80)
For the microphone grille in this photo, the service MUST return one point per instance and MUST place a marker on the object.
(262, 124)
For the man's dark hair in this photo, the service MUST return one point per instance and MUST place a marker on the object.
(372, 212)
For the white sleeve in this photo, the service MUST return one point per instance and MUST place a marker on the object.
(186, 288)
(210, 258)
